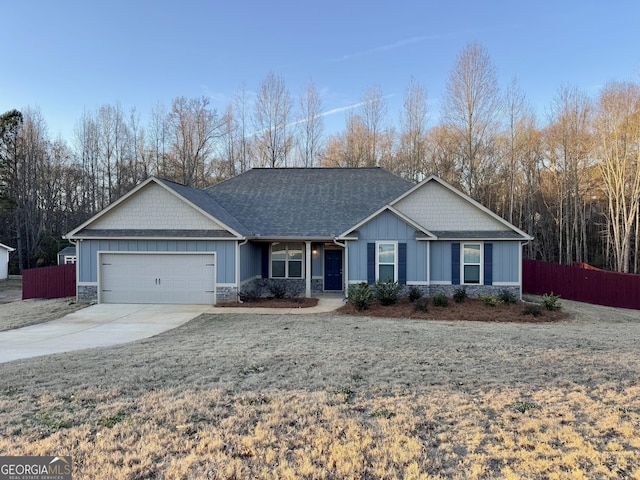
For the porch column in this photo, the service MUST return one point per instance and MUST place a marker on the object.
(307, 269)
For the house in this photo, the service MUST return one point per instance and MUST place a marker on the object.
(4, 261)
(311, 230)
(67, 256)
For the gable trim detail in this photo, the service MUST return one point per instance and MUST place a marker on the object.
(74, 233)
(465, 197)
(400, 215)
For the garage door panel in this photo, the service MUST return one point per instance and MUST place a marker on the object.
(157, 278)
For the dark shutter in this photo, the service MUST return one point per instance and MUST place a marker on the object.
(488, 263)
(371, 263)
(455, 264)
(265, 260)
(402, 263)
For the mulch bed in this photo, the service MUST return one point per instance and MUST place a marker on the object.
(274, 303)
(472, 309)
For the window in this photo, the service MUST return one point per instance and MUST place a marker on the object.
(286, 260)
(69, 259)
(471, 263)
(386, 262)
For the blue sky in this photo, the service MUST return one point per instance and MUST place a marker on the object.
(69, 56)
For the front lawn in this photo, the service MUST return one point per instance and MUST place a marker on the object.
(336, 396)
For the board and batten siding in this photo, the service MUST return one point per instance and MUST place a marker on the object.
(388, 227)
(506, 262)
(440, 262)
(225, 254)
(250, 261)
(506, 257)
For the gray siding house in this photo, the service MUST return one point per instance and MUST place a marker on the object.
(312, 230)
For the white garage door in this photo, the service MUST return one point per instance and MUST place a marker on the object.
(157, 278)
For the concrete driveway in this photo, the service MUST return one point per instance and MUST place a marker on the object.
(95, 326)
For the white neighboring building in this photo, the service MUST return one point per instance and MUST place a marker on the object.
(4, 261)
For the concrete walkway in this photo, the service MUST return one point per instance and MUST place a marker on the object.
(113, 324)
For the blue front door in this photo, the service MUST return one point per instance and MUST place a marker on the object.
(333, 269)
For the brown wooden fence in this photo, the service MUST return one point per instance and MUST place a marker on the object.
(49, 282)
(581, 282)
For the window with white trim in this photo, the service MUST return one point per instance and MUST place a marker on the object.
(287, 260)
(69, 259)
(471, 263)
(387, 261)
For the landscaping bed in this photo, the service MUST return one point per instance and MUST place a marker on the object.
(472, 309)
(273, 303)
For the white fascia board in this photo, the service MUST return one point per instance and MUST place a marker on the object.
(226, 239)
(464, 197)
(402, 216)
(8, 248)
(476, 239)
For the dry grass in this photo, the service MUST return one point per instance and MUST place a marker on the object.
(23, 313)
(328, 396)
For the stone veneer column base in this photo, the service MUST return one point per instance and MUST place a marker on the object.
(87, 293)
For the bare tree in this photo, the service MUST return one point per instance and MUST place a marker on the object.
(194, 127)
(618, 129)
(241, 119)
(350, 148)
(518, 120)
(373, 111)
(158, 140)
(470, 109)
(413, 132)
(272, 114)
(441, 156)
(311, 126)
(568, 150)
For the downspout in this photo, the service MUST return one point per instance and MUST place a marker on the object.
(239, 244)
(75, 244)
(345, 269)
(522, 244)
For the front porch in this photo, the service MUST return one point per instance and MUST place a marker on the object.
(298, 268)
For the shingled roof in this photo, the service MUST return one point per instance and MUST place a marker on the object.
(305, 202)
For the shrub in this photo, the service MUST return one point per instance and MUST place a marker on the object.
(551, 301)
(440, 300)
(278, 290)
(387, 292)
(459, 294)
(421, 304)
(491, 300)
(414, 293)
(295, 290)
(507, 297)
(360, 296)
(249, 295)
(532, 309)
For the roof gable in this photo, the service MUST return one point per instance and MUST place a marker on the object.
(419, 229)
(440, 208)
(153, 206)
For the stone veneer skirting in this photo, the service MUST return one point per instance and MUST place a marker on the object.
(89, 294)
